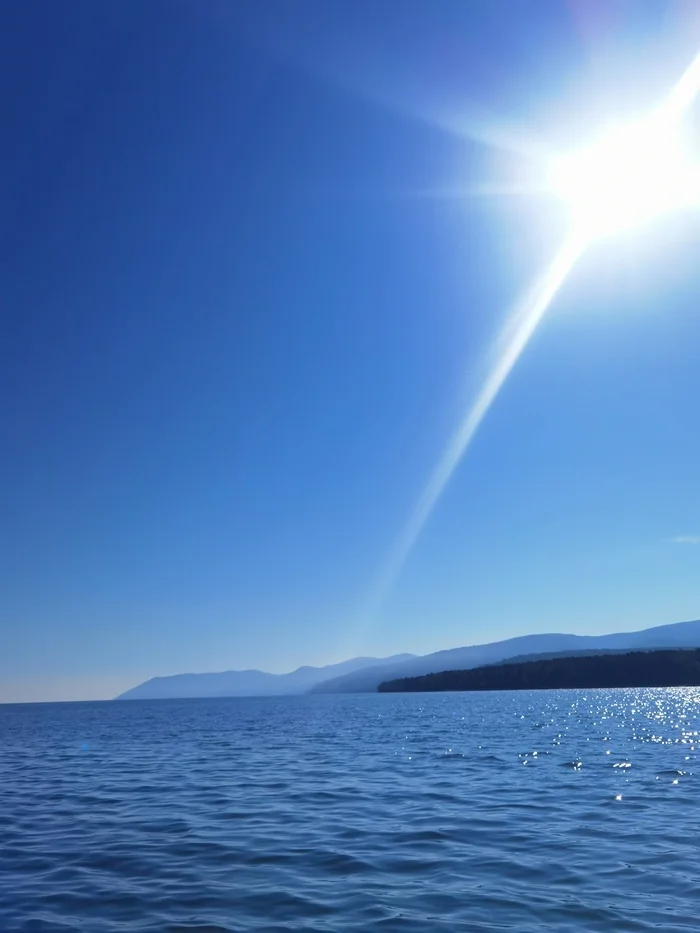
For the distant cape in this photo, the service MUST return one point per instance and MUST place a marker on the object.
(656, 668)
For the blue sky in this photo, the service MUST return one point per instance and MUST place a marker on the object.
(246, 300)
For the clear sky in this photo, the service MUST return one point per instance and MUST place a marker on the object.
(251, 275)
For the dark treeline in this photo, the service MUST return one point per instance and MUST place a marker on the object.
(671, 668)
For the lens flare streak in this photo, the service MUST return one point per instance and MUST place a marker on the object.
(516, 335)
(685, 92)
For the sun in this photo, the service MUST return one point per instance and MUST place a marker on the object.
(633, 174)
(630, 176)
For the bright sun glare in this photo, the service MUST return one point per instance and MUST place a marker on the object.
(627, 178)
(634, 174)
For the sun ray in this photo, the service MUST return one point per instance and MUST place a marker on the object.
(686, 91)
(516, 334)
(480, 190)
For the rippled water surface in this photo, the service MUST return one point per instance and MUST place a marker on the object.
(561, 811)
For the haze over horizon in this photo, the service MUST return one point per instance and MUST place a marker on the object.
(100, 688)
(246, 301)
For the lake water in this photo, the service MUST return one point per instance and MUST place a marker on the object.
(550, 811)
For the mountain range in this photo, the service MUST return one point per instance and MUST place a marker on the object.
(363, 675)
(251, 682)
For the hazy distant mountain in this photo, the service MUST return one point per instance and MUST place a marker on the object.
(678, 635)
(250, 683)
(363, 675)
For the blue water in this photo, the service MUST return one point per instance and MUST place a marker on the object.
(556, 811)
